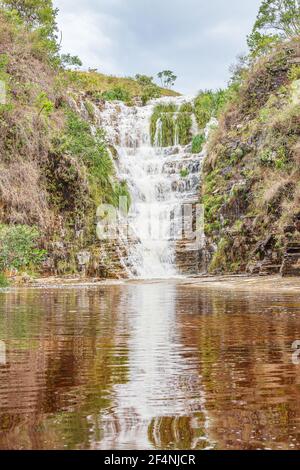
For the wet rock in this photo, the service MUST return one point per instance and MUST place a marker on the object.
(291, 260)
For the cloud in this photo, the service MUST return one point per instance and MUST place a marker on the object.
(195, 38)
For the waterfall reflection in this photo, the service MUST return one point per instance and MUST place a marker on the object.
(162, 402)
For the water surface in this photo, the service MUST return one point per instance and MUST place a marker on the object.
(149, 366)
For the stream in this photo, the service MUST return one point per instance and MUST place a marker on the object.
(148, 365)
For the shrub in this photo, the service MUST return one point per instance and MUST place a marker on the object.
(117, 93)
(294, 73)
(197, 143)
(44, 104)
(184, 126)
(19, 247)
(3, 281)
(173, 123)
(184, 173)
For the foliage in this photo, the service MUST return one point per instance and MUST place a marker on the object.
(91, 149)
(277, 19)
(183, 126)
(19, 247)
(3, 281)
(197, 143)
(39, 17)
(209, 104)
(294, 73)
(144, 80)
(173, 123)
(96, 84)
(149, 93)
(167, 78)
(44, 104)
(79, 141)
(149, 89)
(121, 191)
(67, 60)
(184, 173)
(117, 93)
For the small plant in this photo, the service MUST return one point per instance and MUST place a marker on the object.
(294, 73)
(117, 93)
(19, 247)
(197, 143)
(267, 157)
(3, 281)
(44, 104)
(184, 173)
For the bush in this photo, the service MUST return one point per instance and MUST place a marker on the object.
(197, 143)
(174, 123)
(3, 281)
(117, 93)
(19, 247)
(209, 104)
(184, 173)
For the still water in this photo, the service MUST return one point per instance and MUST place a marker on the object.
(148, 366)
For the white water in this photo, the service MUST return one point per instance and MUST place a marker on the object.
(156, 184)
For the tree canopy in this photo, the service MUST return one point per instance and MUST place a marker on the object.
(276, 20)
(167, 78)
(40, 17)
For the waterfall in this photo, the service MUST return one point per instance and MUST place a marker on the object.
(160, 181)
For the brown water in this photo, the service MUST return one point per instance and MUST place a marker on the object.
(148, 366)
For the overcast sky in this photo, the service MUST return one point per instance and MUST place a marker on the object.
(197, 39)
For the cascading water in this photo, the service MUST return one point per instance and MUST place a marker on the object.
(160, 180)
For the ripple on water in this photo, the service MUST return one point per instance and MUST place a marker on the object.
(148, 365)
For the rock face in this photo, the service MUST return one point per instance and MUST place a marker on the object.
(251, 173)
(291, 261)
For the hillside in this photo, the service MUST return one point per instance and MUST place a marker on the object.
(251, 188)
(97, 84)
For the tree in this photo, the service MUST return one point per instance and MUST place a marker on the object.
(144, 80)
(37, 14)
(69, 60)
(276, 20)
(167, 78)
(149, 89)
(40, 17)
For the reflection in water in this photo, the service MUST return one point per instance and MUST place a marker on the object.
(148, 365)
(163, 384)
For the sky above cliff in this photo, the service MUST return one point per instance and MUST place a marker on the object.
(197, 39)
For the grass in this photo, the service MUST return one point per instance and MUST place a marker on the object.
(198, 143)
(98, 84)
(251, 173)
(174, 122)
(4, 282)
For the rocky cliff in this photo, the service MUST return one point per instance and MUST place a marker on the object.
(251, 185)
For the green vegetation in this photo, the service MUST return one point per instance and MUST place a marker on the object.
(184, 173)
(198, 143)
(149, 89)
(251, 171)
(209, 104)
(39, 16)
(100, 86)
(54, 168)
(175, 123)
(277, 20)
(117, 94)
(167, 78)
(4, 282)
(19, 248)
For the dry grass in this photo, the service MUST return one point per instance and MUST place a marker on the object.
(23, 201)
(92, 82)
